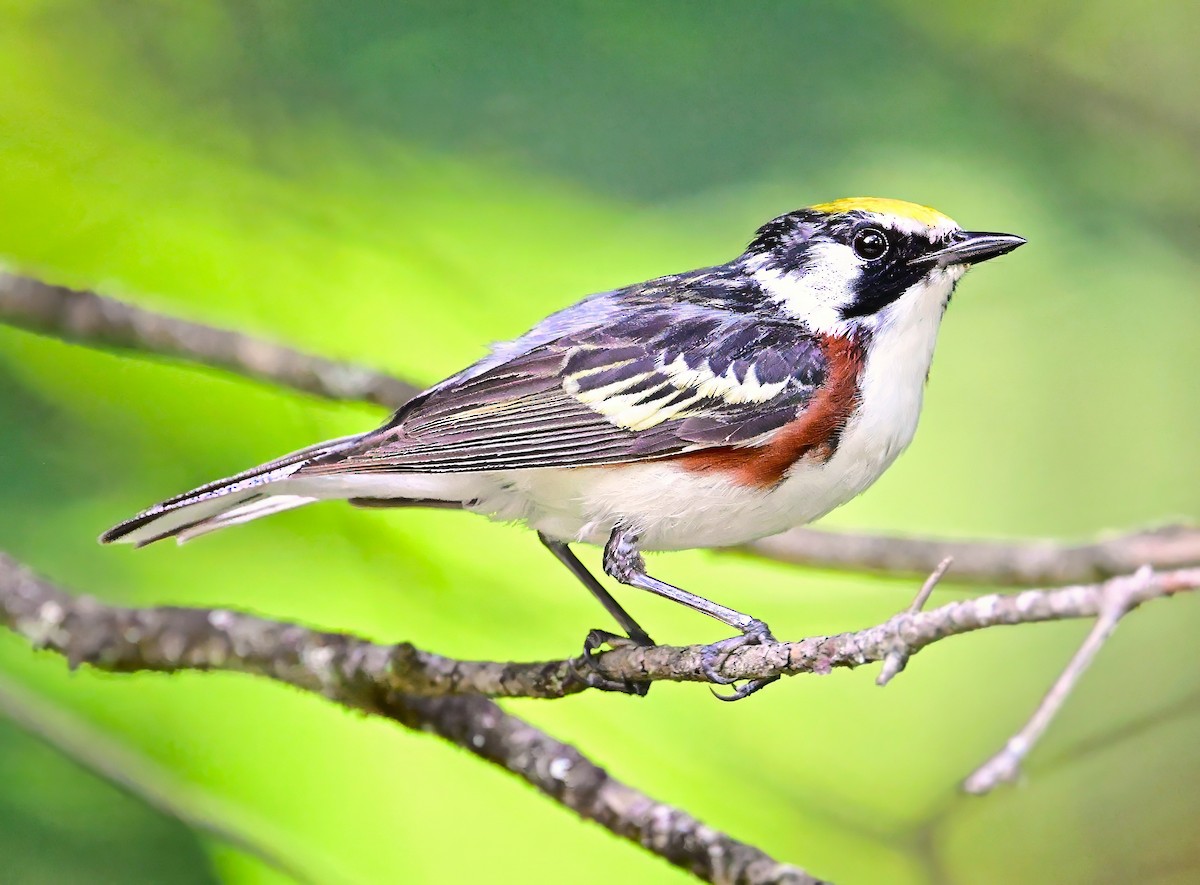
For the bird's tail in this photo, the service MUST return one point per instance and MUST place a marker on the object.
(257, 492)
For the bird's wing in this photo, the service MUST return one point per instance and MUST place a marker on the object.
(646, 385)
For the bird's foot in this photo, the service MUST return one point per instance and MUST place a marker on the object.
(589, 669)
(755, 633)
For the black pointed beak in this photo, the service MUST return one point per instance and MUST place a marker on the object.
(972, 247)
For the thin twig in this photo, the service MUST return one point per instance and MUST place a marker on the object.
(1119, 596)
(99, 321)
(896, 659)
(371, 678)
(935, 578)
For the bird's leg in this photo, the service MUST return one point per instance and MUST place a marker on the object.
(623, 561)
(564, 555)
(597, 638)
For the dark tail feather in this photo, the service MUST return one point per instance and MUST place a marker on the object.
(229, 501)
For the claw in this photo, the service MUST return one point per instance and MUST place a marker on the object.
(593, 676)
(744, 691)
(597, 639)
(715, 655)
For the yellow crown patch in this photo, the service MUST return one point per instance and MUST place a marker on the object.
(902, 208)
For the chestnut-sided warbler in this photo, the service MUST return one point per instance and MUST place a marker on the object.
(699, 409)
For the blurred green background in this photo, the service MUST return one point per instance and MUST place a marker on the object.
(400, 183)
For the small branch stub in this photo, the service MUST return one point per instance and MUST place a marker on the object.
(897, 658)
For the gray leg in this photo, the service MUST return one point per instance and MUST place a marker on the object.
(597, 638)
(623, 561)
(564, 555)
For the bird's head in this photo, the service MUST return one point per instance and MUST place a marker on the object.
(863, 262)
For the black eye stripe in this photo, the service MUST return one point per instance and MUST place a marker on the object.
(884, 280)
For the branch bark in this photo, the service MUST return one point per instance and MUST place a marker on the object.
(371, 678)
(1118, 597)
(448, 696)
(1018, 563)
(358, 673)
(99, 321)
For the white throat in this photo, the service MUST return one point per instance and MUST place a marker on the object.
(903, 336)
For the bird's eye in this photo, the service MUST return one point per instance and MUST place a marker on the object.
(870, 243)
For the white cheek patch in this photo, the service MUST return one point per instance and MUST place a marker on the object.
(818, 294)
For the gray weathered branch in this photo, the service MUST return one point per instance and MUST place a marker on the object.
(99, 321)
(1025, 563)
(354, 671)
(374, 679)
(395, 680)
(1118, 597)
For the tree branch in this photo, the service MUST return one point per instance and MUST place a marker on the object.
(99, 321)
(373, 678)
(354, 671)
(1021, 563)
(1117, 599)
(402, 682)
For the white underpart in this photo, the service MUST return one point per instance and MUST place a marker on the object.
(673, 508)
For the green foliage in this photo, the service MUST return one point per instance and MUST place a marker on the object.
(400, 183)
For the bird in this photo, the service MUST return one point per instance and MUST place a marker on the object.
(701, 409)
